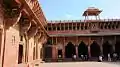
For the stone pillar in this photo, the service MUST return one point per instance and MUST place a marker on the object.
(63, 51)
(54, 53)
(114, 43)
(76, 46)
(101, 45)
(89, 53)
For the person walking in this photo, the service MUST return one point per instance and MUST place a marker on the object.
(100, 59)
(114, 56)
(109, 57)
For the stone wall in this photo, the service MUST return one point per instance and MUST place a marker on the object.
(11, 46)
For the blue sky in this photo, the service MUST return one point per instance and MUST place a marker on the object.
(73, 9)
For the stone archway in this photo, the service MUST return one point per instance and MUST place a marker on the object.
(69, 50)
(47, 50)
(82, 49)
(95, 49)
(117, 47)
(60, 50)
(107, 48)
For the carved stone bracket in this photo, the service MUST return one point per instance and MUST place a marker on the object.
(32, 31)
(38, 34)
(43, 38)
(12, 21)
(25, 25)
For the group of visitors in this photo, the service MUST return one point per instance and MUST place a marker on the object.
(83, 57)
(110, 57)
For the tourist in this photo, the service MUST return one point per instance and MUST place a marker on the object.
(109, 57)
(114, 56)
(100, 59)
(59, 56)
(82, 57)
(74, 57)
(86, 57)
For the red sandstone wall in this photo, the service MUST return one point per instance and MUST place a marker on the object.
(1, 33)
(39, 51)
(11, 47)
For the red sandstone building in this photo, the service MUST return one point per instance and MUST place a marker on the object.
(77, 37)
(22, 32)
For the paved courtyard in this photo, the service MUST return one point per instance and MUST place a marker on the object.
(81, 64)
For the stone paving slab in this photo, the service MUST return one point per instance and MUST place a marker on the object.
(81, 64)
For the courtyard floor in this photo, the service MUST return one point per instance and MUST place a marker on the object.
(81, 64)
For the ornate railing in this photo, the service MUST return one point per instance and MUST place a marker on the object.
(112, 24)
(67, 21)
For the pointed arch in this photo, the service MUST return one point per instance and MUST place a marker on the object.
(70, 50)
(107, 48)
(95, 49)
(82, 49)
(117, 47)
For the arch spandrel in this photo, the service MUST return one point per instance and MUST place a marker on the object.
(70, 39)
(82, 40)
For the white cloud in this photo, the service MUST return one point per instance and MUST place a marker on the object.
(71, 17)
(68, 16)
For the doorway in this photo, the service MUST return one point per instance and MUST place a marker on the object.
(82, 49)
(117, 47)
(107, 48)
(70, 50)
(95, 49)
(60, 53)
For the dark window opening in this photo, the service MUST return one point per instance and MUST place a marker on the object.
(109, 27)
(54, 28)
(81, 27)
(74, 28)
(101, 27)
(49, 42)
(86, 28)
(112, 26)
(66, 28)
(20, 54)
(34, 53)
(70, 28)
(45, 28)
(62, 28)
(105, 26)
(78, 27)
(21, 38)
(49, 28)
(58, 28)
(117, 26)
